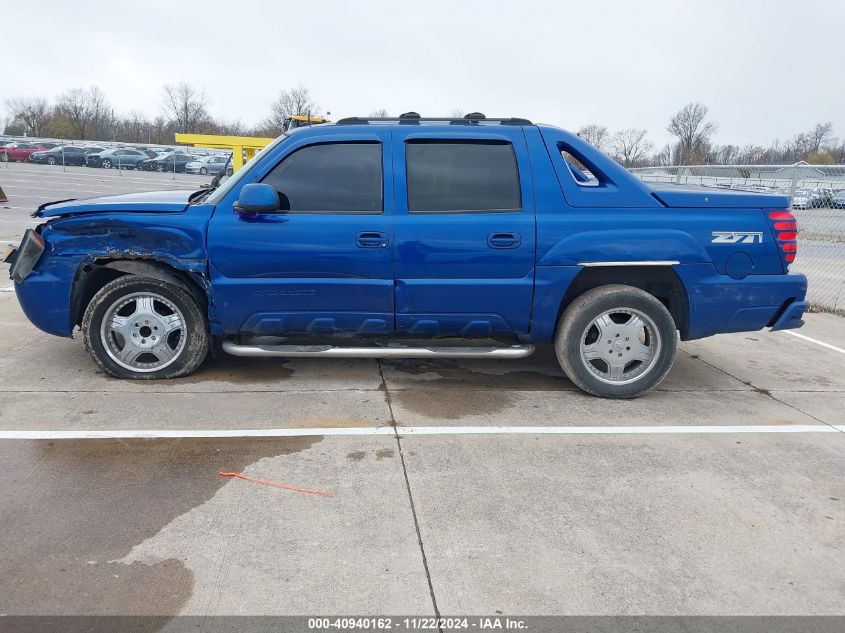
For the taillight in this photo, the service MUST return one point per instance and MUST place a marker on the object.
(786, 231)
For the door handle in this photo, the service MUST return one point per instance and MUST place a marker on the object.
(504, 240)
(371, 239)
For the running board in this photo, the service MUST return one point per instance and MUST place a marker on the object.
(330, 351)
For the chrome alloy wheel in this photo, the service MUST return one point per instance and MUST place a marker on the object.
(620, 346)
(143, 332)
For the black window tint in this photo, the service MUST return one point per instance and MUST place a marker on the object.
(462, 176)
(332, 178)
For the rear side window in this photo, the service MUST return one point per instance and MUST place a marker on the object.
(462, 176)
(330, 178)
(580, 172)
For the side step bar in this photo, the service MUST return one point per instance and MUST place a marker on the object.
(330, 351)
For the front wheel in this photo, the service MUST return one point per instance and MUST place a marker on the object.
(160, 167)
(51, 161)
(616, 341)
(142, 328)
(105, 163)
(203, 171)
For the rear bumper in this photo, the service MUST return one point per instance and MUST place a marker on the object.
(719, 304)
(792, 316)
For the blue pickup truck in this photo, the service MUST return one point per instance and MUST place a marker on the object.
(414, 237)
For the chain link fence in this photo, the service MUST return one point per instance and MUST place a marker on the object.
(818, 202)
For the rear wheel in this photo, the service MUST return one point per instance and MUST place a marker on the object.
(142, 328)
(616, 341)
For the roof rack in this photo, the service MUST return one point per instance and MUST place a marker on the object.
(413, 118)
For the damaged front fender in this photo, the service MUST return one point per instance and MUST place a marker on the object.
(84, 253)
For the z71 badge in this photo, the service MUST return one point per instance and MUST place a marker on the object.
(737, 237)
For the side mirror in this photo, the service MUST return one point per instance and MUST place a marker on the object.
(257, 198)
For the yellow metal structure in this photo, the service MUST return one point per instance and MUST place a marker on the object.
(244, 146)
(299, 120)
(240, 145)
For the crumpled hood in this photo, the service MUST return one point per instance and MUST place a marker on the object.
(172, 201)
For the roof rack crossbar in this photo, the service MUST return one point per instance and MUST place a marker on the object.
(364, 120)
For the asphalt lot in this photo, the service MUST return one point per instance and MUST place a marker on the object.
(465, 487)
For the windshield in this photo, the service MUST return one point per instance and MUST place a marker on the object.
(227, 186)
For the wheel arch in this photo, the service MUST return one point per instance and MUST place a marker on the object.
(661, 282)
(92, 277)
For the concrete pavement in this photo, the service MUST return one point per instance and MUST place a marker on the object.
(522, 524)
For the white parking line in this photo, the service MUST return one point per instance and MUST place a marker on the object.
(9, 288)
(812, 340)
(420, 430)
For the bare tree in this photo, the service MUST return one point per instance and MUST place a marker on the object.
(85, 111)
(100, 113)
(381, 113)
(136, 126)
(32, 114)
(820, 137)
(630, 147)
(159, 131)
(663, 158)
(693, 131)
(73, 108)
(231, 128)
(289, 103)
(185, 107)
(725, 154)
(595, 134)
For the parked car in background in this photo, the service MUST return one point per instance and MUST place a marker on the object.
(167, 162)
(838, 200)
(18, 151)
(64, 155)
(122, 158)
(207, 165)
(46, 145)
(804, 199)
(146, 165)
(93, 150)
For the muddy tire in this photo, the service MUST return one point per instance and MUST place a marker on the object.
(141, 328)
(616, 341)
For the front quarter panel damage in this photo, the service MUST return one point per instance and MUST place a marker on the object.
(166, 246)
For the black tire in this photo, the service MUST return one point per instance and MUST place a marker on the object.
(105, 163)
(160, 167)
(51, 160)
(203, 171)
(191, 353)
(4, 157)
(584, 310)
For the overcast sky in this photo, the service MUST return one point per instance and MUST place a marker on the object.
(765, 68)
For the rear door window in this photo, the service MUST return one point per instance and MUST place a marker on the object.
(446, 176)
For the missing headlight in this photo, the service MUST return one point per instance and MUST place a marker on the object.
(26, 256)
